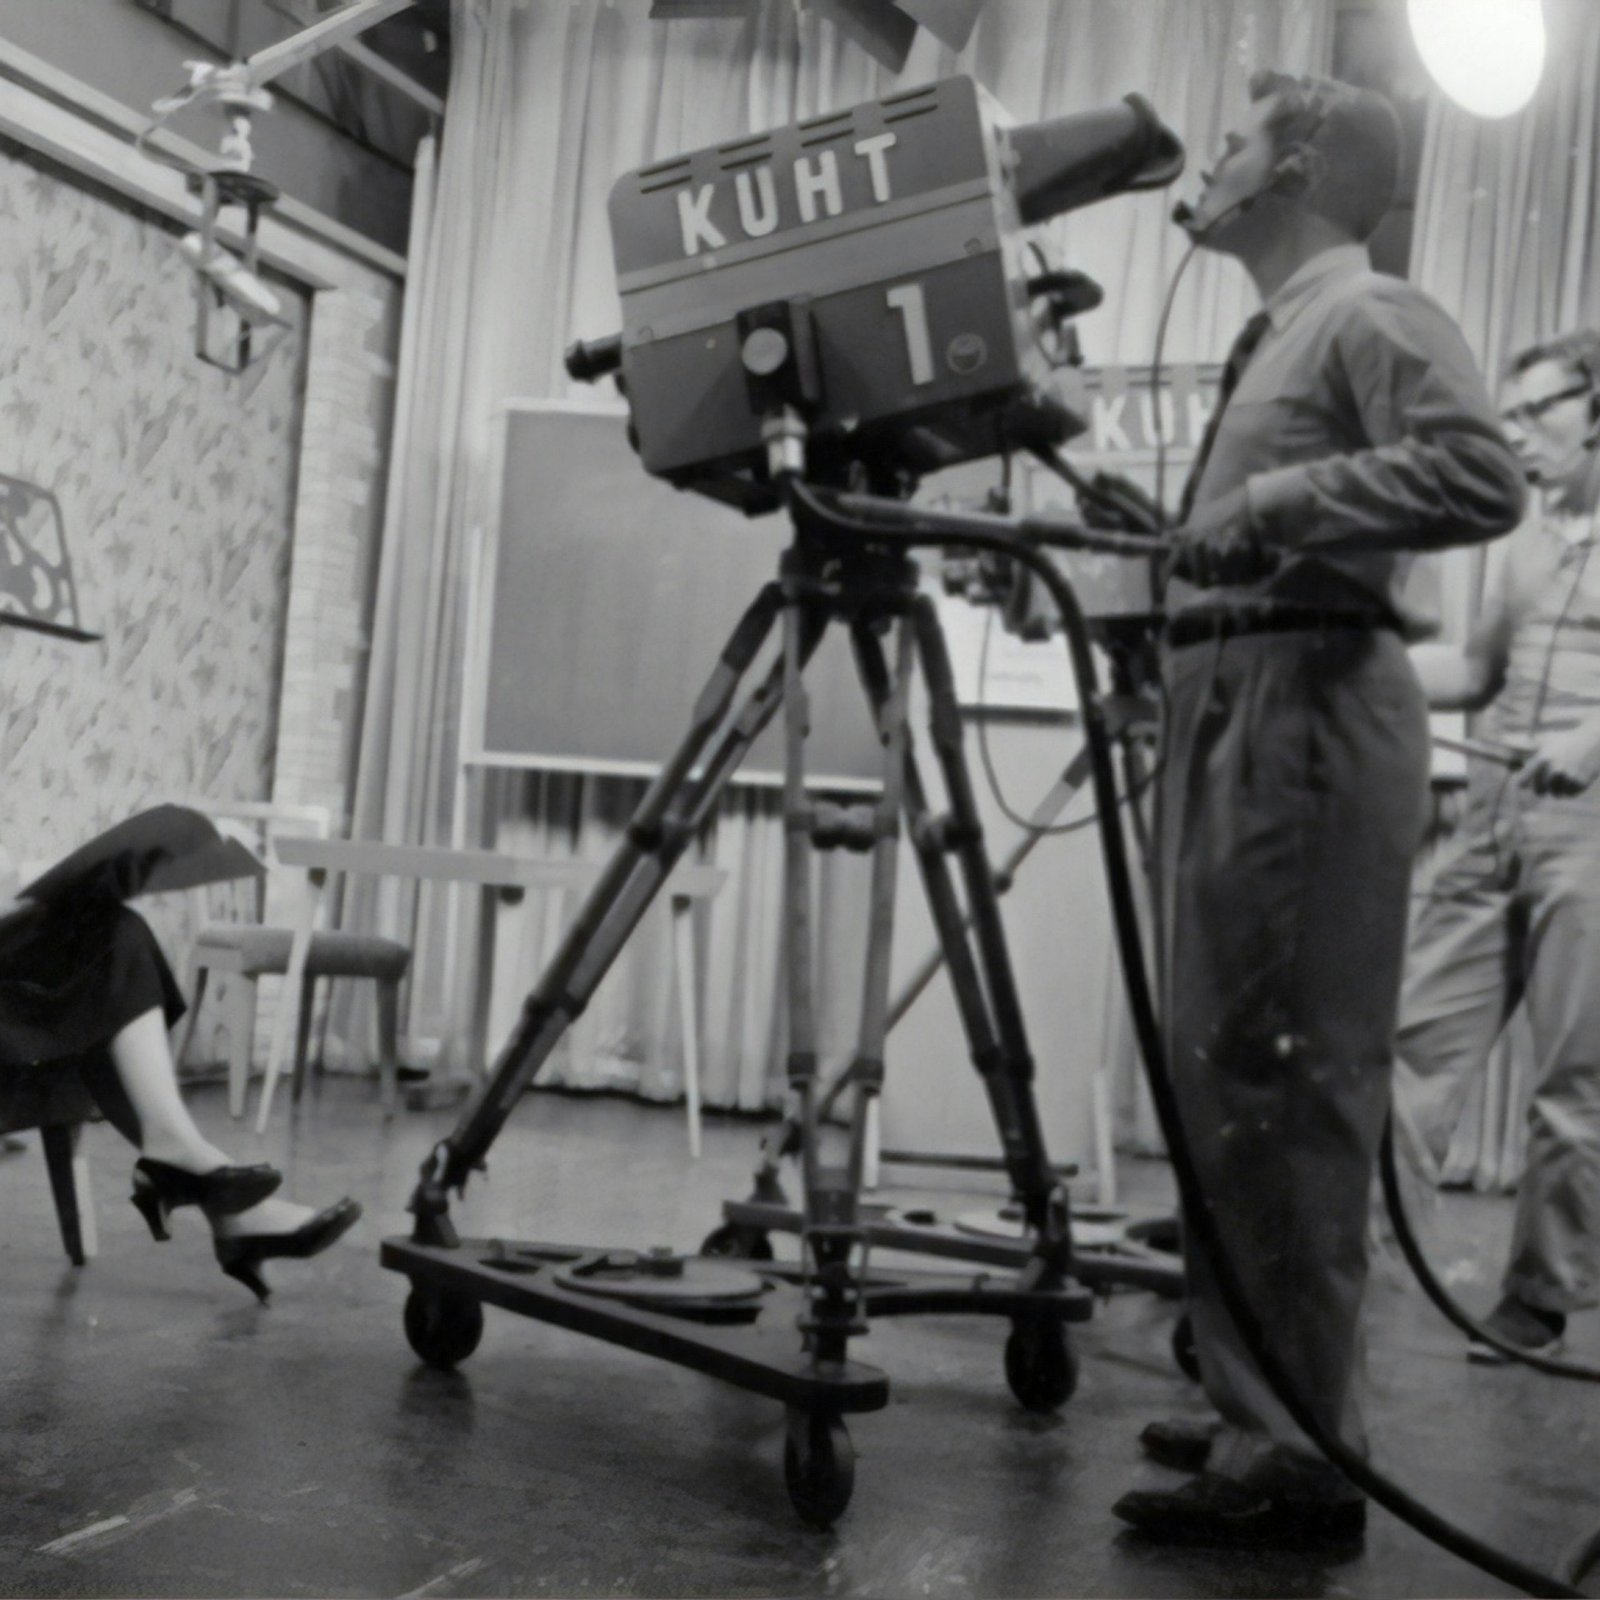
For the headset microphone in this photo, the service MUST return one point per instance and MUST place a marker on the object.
(1184, 214)
(1290, 175)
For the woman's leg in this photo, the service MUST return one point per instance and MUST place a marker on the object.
(145, 1073)
(164, 1130)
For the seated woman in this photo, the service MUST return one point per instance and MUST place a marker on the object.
(83, 983)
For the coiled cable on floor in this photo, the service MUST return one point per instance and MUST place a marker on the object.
(1355, 1467)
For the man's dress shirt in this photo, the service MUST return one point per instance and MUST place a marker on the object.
(1360, 432)
(1546, 595)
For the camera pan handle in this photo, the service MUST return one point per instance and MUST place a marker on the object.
(589, 360)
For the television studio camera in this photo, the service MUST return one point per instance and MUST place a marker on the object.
(814, 318)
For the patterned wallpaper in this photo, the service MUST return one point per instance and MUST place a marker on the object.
(176, 484)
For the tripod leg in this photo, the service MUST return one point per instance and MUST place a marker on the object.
(1002, 1058)
(931, 842)
(833, 1160)
(829, 1230)
(802, 1063)
(1045, 813)
(892, 711)
(665, 822)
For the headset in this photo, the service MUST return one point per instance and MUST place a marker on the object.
(1298, 170)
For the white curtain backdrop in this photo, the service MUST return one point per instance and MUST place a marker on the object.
(548, 104)
(1508, 240)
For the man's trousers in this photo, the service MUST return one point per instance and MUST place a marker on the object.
(1513, 915)
(1292, 800)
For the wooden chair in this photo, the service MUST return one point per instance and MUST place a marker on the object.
(54, 1099)
(235, 940)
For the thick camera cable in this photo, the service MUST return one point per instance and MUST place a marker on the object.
(1124, 920)
(1578, 1565)
(1583, 1559)
(1408, 1242)
(1197, 1215)
(1411, 1249)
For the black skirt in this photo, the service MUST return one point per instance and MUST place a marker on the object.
(73, 975)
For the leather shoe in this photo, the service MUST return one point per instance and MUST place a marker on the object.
(1529, 1329)
(1182, 1443)
(1213, 1510)
(240, 1255)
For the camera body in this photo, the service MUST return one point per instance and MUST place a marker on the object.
(892, 232)
(867, 276)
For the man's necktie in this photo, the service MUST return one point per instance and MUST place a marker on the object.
(1233, 369)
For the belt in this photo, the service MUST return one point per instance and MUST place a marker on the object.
(1211, 627)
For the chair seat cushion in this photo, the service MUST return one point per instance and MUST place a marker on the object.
(256, 950)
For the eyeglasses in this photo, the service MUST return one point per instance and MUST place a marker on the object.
(1532, 410)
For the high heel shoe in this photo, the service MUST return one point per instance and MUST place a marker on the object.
(159, 1188)
(241, 1254)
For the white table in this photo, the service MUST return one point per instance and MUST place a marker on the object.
(494, 872)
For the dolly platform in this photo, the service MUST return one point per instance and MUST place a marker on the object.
(730, 1320)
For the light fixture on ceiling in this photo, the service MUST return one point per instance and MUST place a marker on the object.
(239, 317)
(1487, 55)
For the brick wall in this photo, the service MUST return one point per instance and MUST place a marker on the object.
(338, 518)
(338, 522)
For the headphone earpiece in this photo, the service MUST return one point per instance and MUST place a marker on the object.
(1299, 171)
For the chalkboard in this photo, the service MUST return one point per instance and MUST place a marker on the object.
(604, 599)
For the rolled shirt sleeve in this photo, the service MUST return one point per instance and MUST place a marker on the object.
(1359, 434)
(1435, 471)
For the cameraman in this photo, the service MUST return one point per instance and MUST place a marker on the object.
(1352, 428)
(1514, 910)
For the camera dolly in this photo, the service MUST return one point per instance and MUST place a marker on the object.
(724, 1318)
(1106, 1257)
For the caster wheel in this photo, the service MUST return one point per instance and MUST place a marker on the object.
(1041, 1366)
(1183, 1351)
(819, 1467)
(739, 1242)
(443, 1328)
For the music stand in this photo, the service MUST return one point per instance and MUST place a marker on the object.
(57, 630)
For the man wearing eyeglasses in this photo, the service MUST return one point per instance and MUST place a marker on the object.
(1513, 914)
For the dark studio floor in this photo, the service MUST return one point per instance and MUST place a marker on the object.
(160, 1435)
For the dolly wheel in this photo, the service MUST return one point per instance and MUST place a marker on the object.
(1041, 1366)
(1183, 1350)
(737, 1241)
(443, 1328)
(819, 1466)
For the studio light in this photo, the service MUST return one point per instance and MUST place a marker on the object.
(239, 320)
(1487, 55)
(238, 285)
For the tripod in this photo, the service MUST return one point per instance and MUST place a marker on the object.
(1104, 1264)
(707, 1314)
